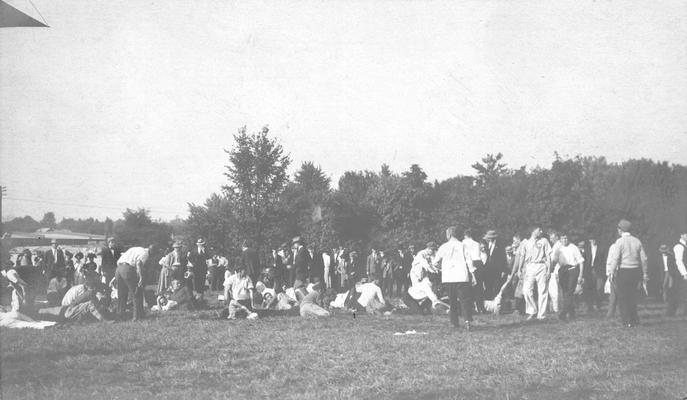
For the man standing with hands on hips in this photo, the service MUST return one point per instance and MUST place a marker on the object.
(628, 268)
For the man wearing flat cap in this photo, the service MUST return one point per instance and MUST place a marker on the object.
(628, 268)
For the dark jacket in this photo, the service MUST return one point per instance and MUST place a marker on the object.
(109, 258)
(250, 260)
(497, 261)
(301, 262)
(599, 267)
(53, 263)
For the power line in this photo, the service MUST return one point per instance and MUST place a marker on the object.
(84, 205)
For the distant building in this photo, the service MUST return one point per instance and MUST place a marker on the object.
(43, 236)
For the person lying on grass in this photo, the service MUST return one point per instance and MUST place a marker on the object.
(311, 305)
(82, 303)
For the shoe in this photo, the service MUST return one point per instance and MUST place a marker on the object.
(530, 317)
(541, 318)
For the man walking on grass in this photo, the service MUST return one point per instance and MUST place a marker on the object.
(453, 261)
(535, 257)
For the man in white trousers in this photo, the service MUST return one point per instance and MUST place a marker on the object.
(535, 257)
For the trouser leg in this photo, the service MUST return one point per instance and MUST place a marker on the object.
(464, 292)
(122, 290)
(670, 290)
(479, 290)
(542, 291)
(628, 281)
(452, 289)
(528, 289)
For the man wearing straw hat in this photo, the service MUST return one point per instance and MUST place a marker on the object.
(495, 268)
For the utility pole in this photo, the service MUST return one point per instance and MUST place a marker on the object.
(3, 191)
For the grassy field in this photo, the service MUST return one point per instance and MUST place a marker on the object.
(188, 355)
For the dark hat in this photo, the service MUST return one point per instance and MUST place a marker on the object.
(297, 239)
(663, 248)
(624, 225)
(200, 241)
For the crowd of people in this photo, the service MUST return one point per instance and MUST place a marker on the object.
(534, 276)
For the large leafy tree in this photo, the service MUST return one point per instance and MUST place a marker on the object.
(257, 177)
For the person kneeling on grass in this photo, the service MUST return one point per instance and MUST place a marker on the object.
(421, 286)
(371, 298)
(239, 291)
(311, 305)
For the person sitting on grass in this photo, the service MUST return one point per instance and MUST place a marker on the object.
(56, 289)
(82, 303)
(239, 289)
(268, 296)
(371, 298)
(177, 296)
(311, 305)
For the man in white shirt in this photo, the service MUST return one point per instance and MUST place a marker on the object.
(453, 260)
(129, 276)
(554, 298)
(679, 274)
(476, 267)
(535, 258)
(371, 297)
(571, 269)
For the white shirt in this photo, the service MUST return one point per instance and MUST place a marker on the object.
(593, 247)
(421, 263)
(454, 261)
(665, 262)
(239, 287)
(72, 294)
(678, 250)
(610, 267)
(473, 251)
(568, 255)
(133, 256)
(369, 291)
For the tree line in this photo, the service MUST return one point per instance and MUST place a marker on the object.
(584, 196)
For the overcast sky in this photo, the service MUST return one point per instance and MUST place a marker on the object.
(130, 104)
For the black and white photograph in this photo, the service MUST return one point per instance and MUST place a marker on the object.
(308, 199)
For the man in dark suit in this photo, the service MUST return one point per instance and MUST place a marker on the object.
(301, 259)
(251, 261)
(198, 257)
(594, 274)
(316, 264)
(496, 266)
(108, 260)
(54, 260)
